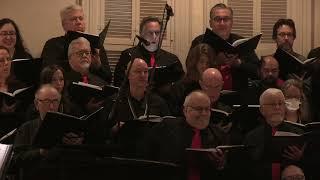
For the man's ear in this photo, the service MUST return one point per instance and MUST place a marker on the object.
(184, 110)
(261, 110)
(36, 104)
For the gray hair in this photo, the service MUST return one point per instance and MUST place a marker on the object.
(272, 91)
(79, 40)
(65, 11)
(45, 86)
(190, 95)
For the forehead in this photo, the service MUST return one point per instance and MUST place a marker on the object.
(273, 97)
(4, 52)
(222, 12)
(153, 25)
(211, 79)
(81, 46)
(270, 62)
(199, 100)
(292, 91)
(139, 64)
(58, 73)
(7, 27)
(285, 28)
(48, 93)
(75, 13)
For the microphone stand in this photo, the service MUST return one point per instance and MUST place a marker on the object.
(163, 28)
(123, 90)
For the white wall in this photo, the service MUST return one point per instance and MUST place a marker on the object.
(38, 20)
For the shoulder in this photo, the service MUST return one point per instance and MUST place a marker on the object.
(314, 53)
(197, 40)
(257, 132)
(168, 54)
(56, 40)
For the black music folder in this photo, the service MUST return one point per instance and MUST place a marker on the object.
(222, 147)
(27, 70)
(56, 124)
(240, 46)
(96, 41)
(281, 140)
(313, 126)
(83, 92)
(289, 64)
(24, 94)
(165, 74)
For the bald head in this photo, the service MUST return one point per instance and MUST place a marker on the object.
(269, 67)
(211, 83)
(138, 75)
(292, 172)
(212, 74)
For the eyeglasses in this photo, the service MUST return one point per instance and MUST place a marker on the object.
(73, 19)
(3, 60)
(294, 177)
(280, 104)
(7, 33)
(49, 101)
(283, 34)
(82, 53)
(220, 19)
(151, 33)
(200, 109)
(272, 71)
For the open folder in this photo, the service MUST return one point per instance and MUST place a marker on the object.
(289, 64)
(241, 46)
(96, 41)
(83, 92)
(55, 125)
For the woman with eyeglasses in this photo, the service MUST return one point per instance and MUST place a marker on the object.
(11, 38)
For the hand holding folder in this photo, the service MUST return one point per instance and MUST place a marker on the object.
(56, 126)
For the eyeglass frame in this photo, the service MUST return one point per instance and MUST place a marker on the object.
(8, 33)
(200, 109)
(81, 53)
(49, 101)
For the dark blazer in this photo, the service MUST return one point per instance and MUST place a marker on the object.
(247, 69)
(259, 143)
(55, 51)
(163, 58)
(169, 139)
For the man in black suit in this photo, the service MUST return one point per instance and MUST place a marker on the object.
(260, 162)
(169, 140)
(150, 31)
(234, 68)
(55, 49)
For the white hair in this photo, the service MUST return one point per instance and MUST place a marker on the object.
(79, 40)
(272, 91)
(65, 11)
(193, 93)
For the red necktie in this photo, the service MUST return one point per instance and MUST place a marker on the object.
(194, 173)
(275, 166)
(152, 59)
(227, 76)
(85, 79)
